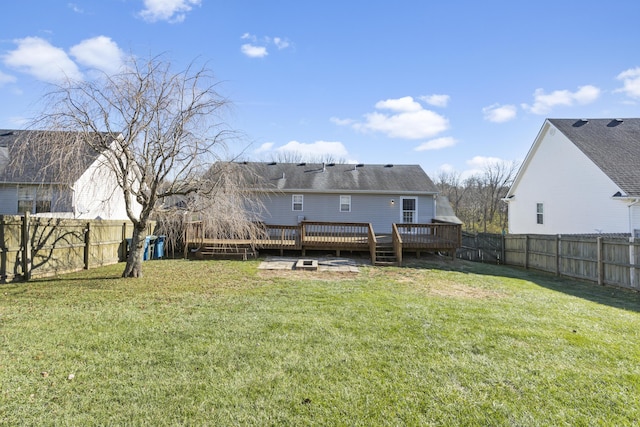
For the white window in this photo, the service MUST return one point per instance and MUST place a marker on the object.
(345, 203)
(539, 213)
(26, 196)
(409, 210)
(31, 197)
(297, 202)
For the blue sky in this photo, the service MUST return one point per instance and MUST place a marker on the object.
(449, 85)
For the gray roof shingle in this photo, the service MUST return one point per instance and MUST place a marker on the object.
(611, 144)
(314, 177)
(35, 166)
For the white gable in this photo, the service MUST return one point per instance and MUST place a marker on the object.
(576, 196)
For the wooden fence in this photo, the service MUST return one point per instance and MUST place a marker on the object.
(39, 247)
(606, 260)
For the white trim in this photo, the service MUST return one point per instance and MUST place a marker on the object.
(415, 211)
(340, 203)
(294, 203)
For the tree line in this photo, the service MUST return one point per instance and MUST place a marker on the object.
(477, 199)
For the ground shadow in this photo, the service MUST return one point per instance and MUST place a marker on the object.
(622, 298)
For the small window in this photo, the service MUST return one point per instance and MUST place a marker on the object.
(539, 213)
(30, 197)
(26, 196)
(297, 202)
(345, 203)
(43, 199)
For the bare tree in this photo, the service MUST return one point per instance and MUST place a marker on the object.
(298, 157)
(477, 200)
(159, 131)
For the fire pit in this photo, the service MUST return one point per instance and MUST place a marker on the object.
(307, 264)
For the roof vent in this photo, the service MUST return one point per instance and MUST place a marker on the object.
(272, 164)
(331, 164)
(580, 123)
(388, 165)
(360, 165)
(615, 122)
(302, 164)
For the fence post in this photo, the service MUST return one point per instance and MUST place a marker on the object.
(526, 252)
(600, 262)
(87, 243)
(632, 263)
(558, 254)
(25, 242)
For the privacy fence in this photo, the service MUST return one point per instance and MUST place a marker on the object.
(606, 260)
(38, 247)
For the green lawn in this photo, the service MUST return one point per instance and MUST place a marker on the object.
(219, 343)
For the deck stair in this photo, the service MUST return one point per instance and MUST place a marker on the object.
(225, 252)
(385, 254)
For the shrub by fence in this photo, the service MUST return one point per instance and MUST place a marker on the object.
(606, 260)
(38, 247)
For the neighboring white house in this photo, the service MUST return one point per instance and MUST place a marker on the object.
(347, 193)
(580, 177)
(92, 193)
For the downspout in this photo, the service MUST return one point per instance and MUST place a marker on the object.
(631, 216)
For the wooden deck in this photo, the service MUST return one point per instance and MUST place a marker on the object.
(308, 235)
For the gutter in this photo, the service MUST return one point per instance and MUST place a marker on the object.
(630, 205)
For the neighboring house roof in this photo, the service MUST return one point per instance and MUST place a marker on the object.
(34, 167)
(330, 177)
(444, 211)
(612, 145)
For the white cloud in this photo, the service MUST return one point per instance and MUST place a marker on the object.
(544, 102)
(437, 144)
(631, 80)
(408, 120)
(405, 104)
(75, 8)
(39, 58)
(267, 146)
(100, 53)
(173, 11)
(497, 113)
(480, 162)
(436, 100)
(316, 149)
(6, 78)
(341, 122)
(253, 51)
(257, 48)
(281, 43)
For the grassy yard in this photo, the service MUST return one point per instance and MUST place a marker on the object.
(220, 343)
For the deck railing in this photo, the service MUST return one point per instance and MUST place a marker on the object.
(349, 235)
(430, 236)
(278, 236)
(396, 238)
(315, 235)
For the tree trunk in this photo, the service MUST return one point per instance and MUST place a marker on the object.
(136, 251)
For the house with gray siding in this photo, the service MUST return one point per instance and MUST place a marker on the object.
(28, 183)
(345, 193)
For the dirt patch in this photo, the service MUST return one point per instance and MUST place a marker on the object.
(308, 275)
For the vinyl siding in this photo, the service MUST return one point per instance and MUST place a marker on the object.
(9, 200)
(368, 208)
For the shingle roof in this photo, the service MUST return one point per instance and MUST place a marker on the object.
(316, 177)
(612, 145)
(35, 165)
